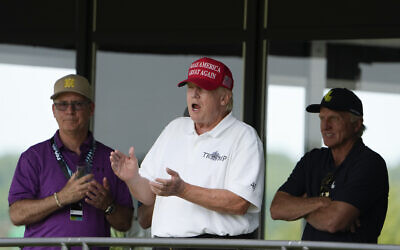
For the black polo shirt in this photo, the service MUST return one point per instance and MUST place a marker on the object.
(361, 180)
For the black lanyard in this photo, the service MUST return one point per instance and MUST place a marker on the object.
(63, 164)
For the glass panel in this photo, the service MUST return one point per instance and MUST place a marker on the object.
(28, 75)
(287, 78)
(285, 144)
(379, 135)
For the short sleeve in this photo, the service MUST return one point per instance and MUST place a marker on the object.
(246, 170)
(25, 182)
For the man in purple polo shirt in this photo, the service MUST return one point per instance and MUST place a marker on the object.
(50, 194)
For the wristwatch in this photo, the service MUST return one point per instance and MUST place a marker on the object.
(110, 209)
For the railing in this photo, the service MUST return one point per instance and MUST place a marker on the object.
(86, 243)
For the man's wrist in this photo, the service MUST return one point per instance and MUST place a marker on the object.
(110, 209)
(183, 189)
(57, 200)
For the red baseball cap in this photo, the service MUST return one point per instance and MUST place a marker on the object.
(209, 74)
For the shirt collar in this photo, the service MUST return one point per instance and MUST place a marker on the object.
(356, 148)
(87, 143)
(224, 124)
(358, 145)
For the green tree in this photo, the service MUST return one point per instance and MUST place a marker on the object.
(389, 234)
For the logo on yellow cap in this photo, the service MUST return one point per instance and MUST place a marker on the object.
(69, 83)
(328, 96)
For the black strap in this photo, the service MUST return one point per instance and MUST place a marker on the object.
(63, 164)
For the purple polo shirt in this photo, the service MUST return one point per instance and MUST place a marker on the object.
(38, 175)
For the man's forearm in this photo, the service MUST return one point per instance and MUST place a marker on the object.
(121, 218)
(140, 189)
(287, 207)
(320, 220)
(219, 200)
(25, 212)
(145, 215)
(338, 216)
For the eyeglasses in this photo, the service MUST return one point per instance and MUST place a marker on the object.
(75, 105)
(326, 185)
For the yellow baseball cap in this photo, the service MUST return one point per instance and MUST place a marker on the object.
(72, 83)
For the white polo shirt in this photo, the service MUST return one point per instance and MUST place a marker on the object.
(230, 157)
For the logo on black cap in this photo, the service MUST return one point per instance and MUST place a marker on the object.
(328, 96)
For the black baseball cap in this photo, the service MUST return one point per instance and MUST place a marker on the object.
(340, 99)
